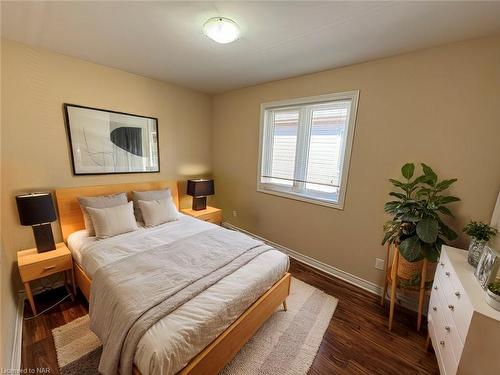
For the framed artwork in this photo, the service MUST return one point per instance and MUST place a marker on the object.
(487, 267)
(495, 223)
(105, 142)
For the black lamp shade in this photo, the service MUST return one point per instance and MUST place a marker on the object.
(36, 208)
(200, 188)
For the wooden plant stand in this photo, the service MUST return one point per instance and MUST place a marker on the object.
(392, 280)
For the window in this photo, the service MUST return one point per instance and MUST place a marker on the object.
(305, 145)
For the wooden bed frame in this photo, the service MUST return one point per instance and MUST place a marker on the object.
(219, 352)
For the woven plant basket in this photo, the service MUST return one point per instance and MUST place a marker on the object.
(407, 270)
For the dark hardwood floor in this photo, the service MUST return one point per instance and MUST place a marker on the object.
(357, 340)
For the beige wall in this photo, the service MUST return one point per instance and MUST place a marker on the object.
(5, 297)
(35, 154)
(440, 106)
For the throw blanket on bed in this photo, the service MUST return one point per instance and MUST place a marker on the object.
(130, 295)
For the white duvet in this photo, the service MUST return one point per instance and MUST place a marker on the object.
(171, 343)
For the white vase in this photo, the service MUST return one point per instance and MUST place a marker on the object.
(492, 299)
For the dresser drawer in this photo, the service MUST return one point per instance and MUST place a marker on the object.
(458, 305)
(44, 268)
(441, 342)
(439, 305)
(435, 344)
(446, 272)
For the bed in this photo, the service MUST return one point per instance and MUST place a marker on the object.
(203, 334)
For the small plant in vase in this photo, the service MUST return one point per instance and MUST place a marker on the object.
(493, 295)
(416, 227)
(480, 233)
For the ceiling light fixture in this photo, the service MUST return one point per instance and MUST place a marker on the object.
(221, 30)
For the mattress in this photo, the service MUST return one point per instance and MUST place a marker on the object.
(174, 340)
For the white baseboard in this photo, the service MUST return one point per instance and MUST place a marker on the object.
(17, 342)
(326, 268)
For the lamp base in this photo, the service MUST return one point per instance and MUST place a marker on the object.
(199, 203)
(44, 238)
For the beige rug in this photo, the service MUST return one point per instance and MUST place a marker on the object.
(286, 344)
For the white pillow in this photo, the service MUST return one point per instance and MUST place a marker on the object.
(112, 221)
(158, 211)
(102, 201)
(150, 195)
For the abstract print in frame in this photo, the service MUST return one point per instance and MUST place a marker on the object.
(105, 142)
(489, 262)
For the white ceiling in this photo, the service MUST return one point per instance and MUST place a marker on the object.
(164, 40)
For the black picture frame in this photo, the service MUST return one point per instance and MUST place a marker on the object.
(75, 168)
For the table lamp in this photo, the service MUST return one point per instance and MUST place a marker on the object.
(199, 189)
(37, 210)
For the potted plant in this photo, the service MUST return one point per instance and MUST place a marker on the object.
(493, 295)
(416, 227)
(480, 233)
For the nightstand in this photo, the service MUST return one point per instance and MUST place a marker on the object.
(210, 214)
(33, 265)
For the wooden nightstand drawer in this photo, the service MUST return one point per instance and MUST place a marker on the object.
(215, 217)
(210, 214)
(44, 268)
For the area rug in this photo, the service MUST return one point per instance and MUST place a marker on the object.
(286, 344)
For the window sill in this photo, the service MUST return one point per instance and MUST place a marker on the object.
(302, 198)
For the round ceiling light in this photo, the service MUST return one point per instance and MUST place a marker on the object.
(221, 30)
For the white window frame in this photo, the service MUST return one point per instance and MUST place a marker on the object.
(281, 191)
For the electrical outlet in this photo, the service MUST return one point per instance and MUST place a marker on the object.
(235, 213)
(379, 264)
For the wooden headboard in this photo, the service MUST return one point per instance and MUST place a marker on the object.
(70, 214)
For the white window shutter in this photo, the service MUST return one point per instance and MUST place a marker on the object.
(305, 147)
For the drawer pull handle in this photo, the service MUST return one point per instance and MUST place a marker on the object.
(447, 328)
(435, 287)
(442, 264)
(48, 268)
(451, 307)
(441, 343)
(435, 308)
(447, 273)
(457, 294)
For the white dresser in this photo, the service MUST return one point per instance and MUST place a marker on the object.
(464, 329)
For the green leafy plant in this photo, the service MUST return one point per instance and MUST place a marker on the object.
(416, 226)
(495, 287)
(480, 231)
